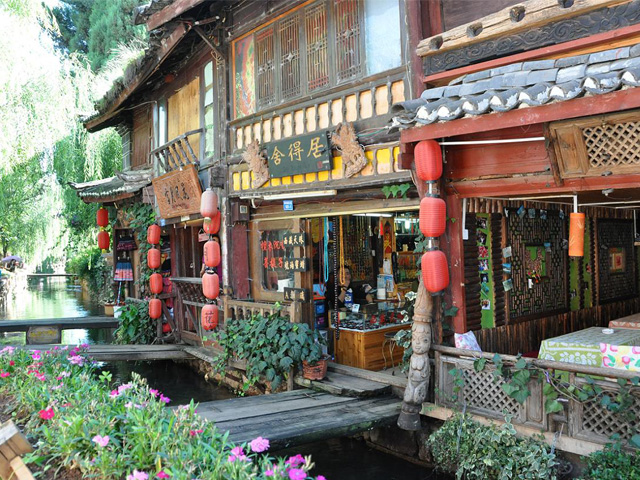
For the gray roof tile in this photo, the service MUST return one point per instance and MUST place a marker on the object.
(473, 77)
(609, 55)
(571, 73)
(513, 67)
(598, 68)
(571, 61)
(539, 65)
(539, 76)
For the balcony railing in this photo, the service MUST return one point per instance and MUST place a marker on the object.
(175, 154)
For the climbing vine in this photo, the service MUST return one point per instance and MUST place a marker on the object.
(140, 216)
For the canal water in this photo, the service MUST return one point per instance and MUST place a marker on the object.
(336, 459)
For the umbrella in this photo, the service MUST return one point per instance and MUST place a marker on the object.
(12, 257)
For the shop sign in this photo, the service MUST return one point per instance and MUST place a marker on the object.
(296, 294)
(294, 239)
(296, 264)
(303, 154)
(43, 335)
(277, 254)
(178, 192)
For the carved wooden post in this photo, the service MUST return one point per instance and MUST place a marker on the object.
(419, 371)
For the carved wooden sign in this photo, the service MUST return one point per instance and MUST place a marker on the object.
(178, 192)
(344, 138)
(297, 155)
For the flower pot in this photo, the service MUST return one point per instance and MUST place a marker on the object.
(317, 371)
(108, 309)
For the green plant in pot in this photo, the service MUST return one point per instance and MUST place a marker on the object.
(271, 345)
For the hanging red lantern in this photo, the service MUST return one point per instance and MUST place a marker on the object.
(153, 234)
(211, 225)
(155, 308)
(428, 159)
(102, 217)
(155, 283)
(211, 253)
(209, 317)
(103, 240)
(435, 271)
(576, 235)
(433, 216)
(208, 203)
(153, 258)
(210, 285)
(166, 328)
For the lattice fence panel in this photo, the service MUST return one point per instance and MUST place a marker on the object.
(190, 291)
(613, 145)
(482, 391)
(599, 420)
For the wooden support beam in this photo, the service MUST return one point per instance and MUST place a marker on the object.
(170, 12)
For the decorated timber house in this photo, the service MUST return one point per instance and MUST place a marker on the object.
(350, 141)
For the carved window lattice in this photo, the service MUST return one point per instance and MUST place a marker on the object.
(265, 57)
(615, 234)
(599, 420)
(348, 52)
(317, 63)
(290, 57)
(612, 145)
(551, 293)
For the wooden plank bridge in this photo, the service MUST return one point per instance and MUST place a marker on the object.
(62, 323)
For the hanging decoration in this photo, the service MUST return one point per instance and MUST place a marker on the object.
(153, 234)
(210, 279)
(102, 220)
(428, 159)
(102, 217)
(103, 240)
(576, 234)
(153, 262)
(433, 216)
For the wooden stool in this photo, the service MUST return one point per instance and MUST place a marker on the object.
(12, 446)
(390, 341)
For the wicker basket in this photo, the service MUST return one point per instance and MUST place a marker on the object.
(315, 372)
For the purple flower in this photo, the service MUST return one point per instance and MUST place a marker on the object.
(295, 461)
(35, 355)
(259, 445)
(164, 399)
(76, 360)
(269, 473)
(136, 475)
(114, 394)
(153, 392)
(102, 441)
(321, 477)
(297, 474)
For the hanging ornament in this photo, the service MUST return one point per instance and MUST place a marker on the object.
(211, 225)
(208, 203)
(428, 160)
(212, 253)
(210, 285)
(155, 308)
(155, 283)
(435, 271)
(102, 217)
(209, 316)
(576, 234)
(103, 240)
(153, 234)
(153, 258)
(433, 216)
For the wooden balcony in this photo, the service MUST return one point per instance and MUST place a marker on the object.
(176, 153)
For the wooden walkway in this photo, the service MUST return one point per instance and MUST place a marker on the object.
(110, 353)
(48, 275)
(64, 323)
(297, 417)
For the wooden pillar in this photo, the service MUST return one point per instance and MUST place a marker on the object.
(451, 245)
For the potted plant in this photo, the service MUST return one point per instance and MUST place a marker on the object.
(314, 364)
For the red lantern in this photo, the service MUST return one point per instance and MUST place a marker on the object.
(211, 254)
(155, 308)
(209, 317)
(155, 283)
(210, 285)
(102, 217)
(576, 235)
(428, 158)
(103, 240)
(153, 235)
(211, 226)
(153, 258)
(208, 203)
(166, 328)
(435, 271)
(433, 216)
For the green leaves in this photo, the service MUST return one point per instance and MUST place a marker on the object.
(396, 191)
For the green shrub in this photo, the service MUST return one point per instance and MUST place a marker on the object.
(124, 433)
(612, 463)
(136, 326)
(475, 451)
(90, 266)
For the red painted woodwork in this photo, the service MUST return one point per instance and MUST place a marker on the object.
(208, 203)
(435, 271)
(103, 240)
(239, 258)
(453, 248)
(433, 216)
(102, 217)
(211, 253)
(576, 235)
(153, 234)
(209, 317)
(155, 308)
(211, 225)
(155, 283)
(153, 258)
(210, 285)
(428, 158)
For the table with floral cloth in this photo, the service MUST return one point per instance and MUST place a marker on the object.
(632, 321)
(583, 347)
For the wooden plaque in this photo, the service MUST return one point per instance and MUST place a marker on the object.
(43, 335)
(178, 192)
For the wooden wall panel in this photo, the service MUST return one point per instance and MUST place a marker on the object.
(240, 260)
(142, 136)
(183, 110)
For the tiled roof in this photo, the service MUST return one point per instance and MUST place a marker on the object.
(143, 12)
(128, 182)
(523, 84)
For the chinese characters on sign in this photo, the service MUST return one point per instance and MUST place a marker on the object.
(178, 192)
(294, 239)
(303, 154)
(296, 294)
(277, 255)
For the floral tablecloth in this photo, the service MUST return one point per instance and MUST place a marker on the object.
(583, 347)
(632, 321)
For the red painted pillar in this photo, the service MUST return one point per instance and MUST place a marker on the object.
(451, 245)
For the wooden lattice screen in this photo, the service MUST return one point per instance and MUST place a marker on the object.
(347, 39)
(612, 145)
(290, 57)
(615, 259)
(317, 32)
(265, 53)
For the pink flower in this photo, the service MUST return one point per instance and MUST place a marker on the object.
(164, 399)
(124, 387)
(269, 473)
(47, 414)
(114, 394)
(136, 475)
(36, 356)
(297, 474)
(295, 461)
(193, 433)
(4, 374)
(102, 441)
(237, 451)
(84, 346)
(162, 474)
(40, 376)
(321, 477)
(153, 392)
(76, 360)
(259, 445)
(11, 363)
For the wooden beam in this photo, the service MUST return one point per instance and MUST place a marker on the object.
(64, 323)
(601, 40)
(578, 107)
(553, 158)
(170, 12)
(454, 250)
(162, 53)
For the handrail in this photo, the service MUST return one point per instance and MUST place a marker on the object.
(194, 280)
(172, 154)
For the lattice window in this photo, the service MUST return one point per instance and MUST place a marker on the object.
(290, 57)
(265, 58)
(316, 32)
(599, 420)
(612, 145)
(347, 39)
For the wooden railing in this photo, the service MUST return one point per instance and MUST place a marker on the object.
(582, 423)
(243, 309)
(187, 306)
(175, 154)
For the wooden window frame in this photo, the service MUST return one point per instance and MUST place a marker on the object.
(204, 159)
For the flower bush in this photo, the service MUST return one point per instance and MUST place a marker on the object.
(136, 326)
(77, 421)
